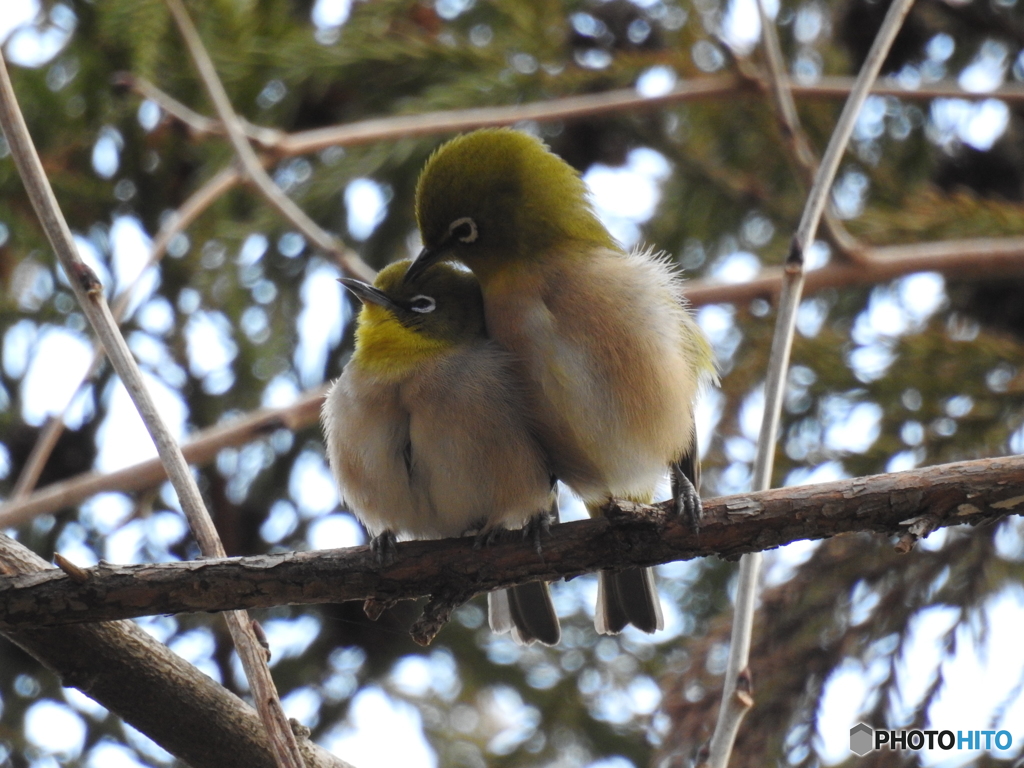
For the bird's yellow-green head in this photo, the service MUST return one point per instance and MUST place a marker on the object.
(498, 197)
(402, 322)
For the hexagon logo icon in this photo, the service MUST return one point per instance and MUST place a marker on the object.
(861, 737)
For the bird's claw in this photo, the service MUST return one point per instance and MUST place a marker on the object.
(686, 499)
(536, 528)
(486, 537)
(384, 547)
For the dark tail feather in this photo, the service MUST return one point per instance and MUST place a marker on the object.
(527, 612)
(533, 613)
(627, 597)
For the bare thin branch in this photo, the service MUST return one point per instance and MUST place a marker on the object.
(90, 297)
(822, 188)
(88, 290)
(201, 450)
(347, 259)
(574, 107)
(45, 443)
(450, 570)
(566, 108)
(452, 121)
(841, 87)
(177, 222)
(736, 702)
(199, 124)
(970, 259)
(783, 94)
(800, 145)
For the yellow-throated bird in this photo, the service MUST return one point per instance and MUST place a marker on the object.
(603, 336)
(427, 434)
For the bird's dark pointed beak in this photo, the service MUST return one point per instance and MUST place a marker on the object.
(367, 294)
(426, 258)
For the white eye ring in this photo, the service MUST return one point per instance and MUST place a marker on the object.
(473, 234)
(427, 307)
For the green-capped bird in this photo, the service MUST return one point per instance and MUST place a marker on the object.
(613, 358)
(427, 433)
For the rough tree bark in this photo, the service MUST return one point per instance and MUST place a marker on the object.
(149, 686)
(907, 504)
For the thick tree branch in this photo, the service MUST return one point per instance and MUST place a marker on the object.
(150, 687)
(972, 492)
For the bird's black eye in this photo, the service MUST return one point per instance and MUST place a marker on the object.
(422, 304)
(463, 230)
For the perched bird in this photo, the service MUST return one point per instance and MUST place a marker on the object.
(613, 358)
(427, 434)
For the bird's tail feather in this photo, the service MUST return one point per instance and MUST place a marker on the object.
(527, 612)
(627, 597)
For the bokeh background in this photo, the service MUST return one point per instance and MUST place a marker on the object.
(242, 313)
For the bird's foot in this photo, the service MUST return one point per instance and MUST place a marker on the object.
(686, 499)
(487, 537)
(536, 528)
(384, 547)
